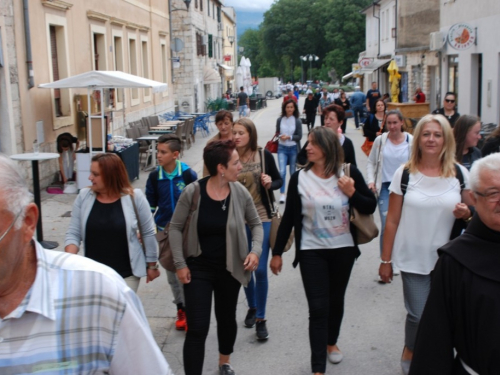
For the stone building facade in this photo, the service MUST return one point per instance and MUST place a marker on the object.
(197, 75)
(69, 37)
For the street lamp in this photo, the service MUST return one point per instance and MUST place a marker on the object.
(302, 68)
(187, 2)
(231, 39)
(310, 58)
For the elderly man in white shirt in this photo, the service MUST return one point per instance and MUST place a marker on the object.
(63, 313)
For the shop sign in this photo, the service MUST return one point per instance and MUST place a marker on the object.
(400, 60)
(356, 68)
(365, 61)
(176, 62)
(227, 57)
(461, 36)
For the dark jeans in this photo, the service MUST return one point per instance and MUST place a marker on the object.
(205, 281)
(311, 119)
(325, 275)
(359, 115)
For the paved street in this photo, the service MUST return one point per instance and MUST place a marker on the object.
(373, 327)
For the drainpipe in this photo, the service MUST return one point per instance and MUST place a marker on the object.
(171, 39)
(27, 36)
(378, 54)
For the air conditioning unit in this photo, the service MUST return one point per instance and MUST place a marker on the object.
(204, 40)
(437, 41)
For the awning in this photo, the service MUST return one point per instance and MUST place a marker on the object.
(347, 76)
(210, 75)
(376, 64)
(225, 67)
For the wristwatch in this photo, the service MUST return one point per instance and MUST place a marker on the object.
(155, 267)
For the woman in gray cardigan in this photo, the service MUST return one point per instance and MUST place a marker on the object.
(104, 219)
(214, 259)
(289, 130)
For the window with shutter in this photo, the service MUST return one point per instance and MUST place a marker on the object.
(210, 46)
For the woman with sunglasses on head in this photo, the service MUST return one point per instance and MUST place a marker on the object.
(261, 177)
(423, 207)
(318, 208)
(449, 109)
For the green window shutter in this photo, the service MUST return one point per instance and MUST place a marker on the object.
(210, 46)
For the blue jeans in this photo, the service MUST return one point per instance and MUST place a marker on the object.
(243, 109)
(358, 113)
(286, 155)
(383, 207)
(256, 291)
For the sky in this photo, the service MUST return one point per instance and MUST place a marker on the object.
(249, 6)
(249, 14)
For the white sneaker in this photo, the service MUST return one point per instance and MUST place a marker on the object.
(282, 198)
(335, 357)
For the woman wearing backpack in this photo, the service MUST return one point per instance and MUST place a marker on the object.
(426, 196)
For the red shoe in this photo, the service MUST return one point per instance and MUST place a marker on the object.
(180, 323)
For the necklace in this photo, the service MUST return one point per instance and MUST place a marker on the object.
(220, 200)
(245, 163)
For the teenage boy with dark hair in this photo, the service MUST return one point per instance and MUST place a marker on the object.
(163, 189)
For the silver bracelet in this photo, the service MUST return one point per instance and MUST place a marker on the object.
(385, 261)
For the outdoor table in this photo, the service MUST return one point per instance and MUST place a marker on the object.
(163, 131)
(34, 158)
(199, 114)
(170, 123)
(153, 139)
(163, 127)
(186, 117)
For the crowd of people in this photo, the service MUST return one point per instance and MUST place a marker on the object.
(437, 194)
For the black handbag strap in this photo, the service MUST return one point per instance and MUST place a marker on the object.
(138, 223)
(263, 169)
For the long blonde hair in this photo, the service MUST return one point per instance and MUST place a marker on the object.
(447, 155)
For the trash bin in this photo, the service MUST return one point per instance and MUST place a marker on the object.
(253, 104)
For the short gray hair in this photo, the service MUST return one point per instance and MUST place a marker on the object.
(490, 163)
(13, 188)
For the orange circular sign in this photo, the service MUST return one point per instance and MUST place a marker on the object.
(461, 36)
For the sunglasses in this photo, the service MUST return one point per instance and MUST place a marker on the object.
(449, 100)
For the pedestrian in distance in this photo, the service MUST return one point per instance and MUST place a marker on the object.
(323, 103)
(318, 208)
(224, 123)
(108, 217)
(63, 313)
(261, 177)
(467, 133)
(214, 261)
(423, 207)
(390, 150)
(334, 118)
(449, 108)
(358, 100)
(289, 96)
(67, 156)
(419, 96)
(242, 102)
(343, 102)
(374, 126)
(371, 98)
(310, 109)
(459, 331)
(163, 189)
(289, 130)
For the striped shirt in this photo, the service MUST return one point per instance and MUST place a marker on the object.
(78, 317)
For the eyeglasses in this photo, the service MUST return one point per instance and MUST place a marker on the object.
(11, 225)
(449, 100)
(493, 197)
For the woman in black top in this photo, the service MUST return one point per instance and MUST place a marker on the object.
(310, 108)
(346, 105)
(492, 143)
(467, 134)
(334, 118)
(318, 207)
(374, 124)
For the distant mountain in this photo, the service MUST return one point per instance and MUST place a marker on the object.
(248, 20)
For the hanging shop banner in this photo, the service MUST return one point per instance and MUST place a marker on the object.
(461, 36)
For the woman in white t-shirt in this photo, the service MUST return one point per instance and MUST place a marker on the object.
(420, 220)
(390, 150)
(318, 205)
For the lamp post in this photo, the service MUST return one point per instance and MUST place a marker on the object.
(310, 58)
(302, 68)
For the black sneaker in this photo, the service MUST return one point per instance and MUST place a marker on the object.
(261, 330)
(226, 369)
(250, 318)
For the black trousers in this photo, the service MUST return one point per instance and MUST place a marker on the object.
(205, 281)
(311, 119)
(325, 275)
